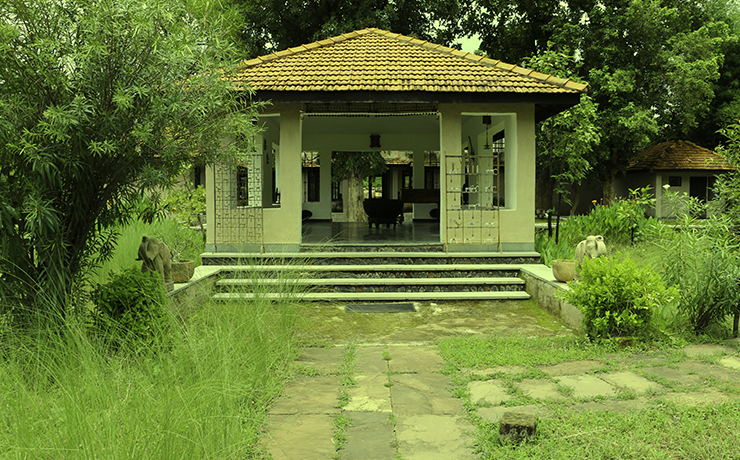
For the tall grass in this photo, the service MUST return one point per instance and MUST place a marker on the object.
(64, 397)
(124, 257)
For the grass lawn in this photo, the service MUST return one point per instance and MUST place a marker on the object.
(656, 428)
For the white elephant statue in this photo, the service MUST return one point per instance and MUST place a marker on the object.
(155, 257)
(590, 248)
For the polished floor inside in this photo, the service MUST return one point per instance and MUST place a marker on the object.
(322, 232)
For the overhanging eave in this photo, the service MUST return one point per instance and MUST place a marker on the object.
(546, 104)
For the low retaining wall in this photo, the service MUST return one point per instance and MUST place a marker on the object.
(197, 291)
(541, 285)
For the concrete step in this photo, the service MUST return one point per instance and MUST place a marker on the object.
(372, 276)
(380, 296)
(466, 271)
(370, 258)
(377, 285)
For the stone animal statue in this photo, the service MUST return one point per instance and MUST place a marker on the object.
(155, 257)
(590, 248)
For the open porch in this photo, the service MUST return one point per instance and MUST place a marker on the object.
(465, 124)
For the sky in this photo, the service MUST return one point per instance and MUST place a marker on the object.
(470, 45)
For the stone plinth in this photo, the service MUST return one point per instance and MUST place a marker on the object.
(515, 427)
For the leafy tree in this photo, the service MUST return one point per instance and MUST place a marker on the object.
(725, 106)
(273, 25)
(99, 100)
(567, 140)
(651, 64)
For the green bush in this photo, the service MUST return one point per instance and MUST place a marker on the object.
(619, 222)
(130, 309)
(617, 297)
(549, 250)
(701, 259)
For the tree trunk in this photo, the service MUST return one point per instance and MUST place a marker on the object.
(608, 190)
(355, 197)
(611, 173)
(576, 200)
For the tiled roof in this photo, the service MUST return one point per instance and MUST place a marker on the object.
(377, 60)
(679, 155)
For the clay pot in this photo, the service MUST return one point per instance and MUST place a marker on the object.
(564, 269)
(182, 271)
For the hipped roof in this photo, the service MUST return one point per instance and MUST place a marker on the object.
(373, 65)
(679, 155)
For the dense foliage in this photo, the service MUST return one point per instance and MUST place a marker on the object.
(651, 64)
(99, 100)
(273, 25)
(130, 309)
(617, 297)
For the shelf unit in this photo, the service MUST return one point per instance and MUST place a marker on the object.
(473, 197)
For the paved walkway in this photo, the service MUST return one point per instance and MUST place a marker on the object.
(401, 405)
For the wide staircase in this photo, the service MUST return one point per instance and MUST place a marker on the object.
(371, 273)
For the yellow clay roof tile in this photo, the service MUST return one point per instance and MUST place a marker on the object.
(377, 60)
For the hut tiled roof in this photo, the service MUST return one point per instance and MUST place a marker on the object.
(679, 155)
(377, 60)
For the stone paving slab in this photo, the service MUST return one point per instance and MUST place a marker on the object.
(308, 395)
(631, 381)
(710, 370)
(423, 394)
(731, 362)
(570, 367)
(300, 437)
(324, 360)
(586, 386)
(371, 437)
(370, 394)
(497, 370)
(414, 359)
(488, 391)
(692, 351)
(433, 437)
(613, 405)
(540, 389)
(369, 360)
(674, 375)
(696, 398)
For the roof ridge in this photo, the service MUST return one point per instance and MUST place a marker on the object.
(498, 64)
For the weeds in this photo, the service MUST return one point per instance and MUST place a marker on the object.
(204, 396)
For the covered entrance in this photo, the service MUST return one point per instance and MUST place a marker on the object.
(405, 139)
(456, 131)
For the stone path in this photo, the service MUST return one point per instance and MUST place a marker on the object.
(401, 406)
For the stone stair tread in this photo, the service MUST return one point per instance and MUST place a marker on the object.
(377, 268)
(382, 296)
(365, 255)
(375, 281)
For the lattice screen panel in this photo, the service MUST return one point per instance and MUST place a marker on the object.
(473, 198)
(238, 205)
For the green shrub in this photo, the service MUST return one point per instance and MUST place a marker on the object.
(702, 261)
(617, 297)
(619, 222)
(549, 250)
(130, 308)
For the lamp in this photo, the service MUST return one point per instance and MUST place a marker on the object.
(375, 141)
